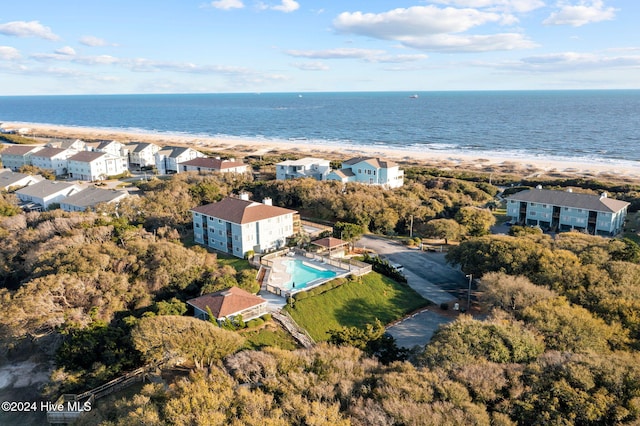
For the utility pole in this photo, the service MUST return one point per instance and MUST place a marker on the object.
(411, 228)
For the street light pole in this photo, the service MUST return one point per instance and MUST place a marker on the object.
(470, 276)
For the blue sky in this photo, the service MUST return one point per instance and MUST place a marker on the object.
(183, 46)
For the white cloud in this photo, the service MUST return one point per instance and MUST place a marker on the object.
(433, 28)
(310, 66)
(471, 43)
(67, 50)
(27, 29)
(9, 53)
(585, 12)
(287, 6)
(227, 4)
(92, 41)
(412, 22)
(517, 6)
(340, 53)
(398, 59)
(572, 61)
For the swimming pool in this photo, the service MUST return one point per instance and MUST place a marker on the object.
(303, 274)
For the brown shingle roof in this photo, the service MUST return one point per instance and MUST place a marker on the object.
(344, 173)
(330, 242)
(213, 163)
(570, 199)
(239, 211)
(18, 149)
(49, 152)
(227, 302)
(87, 156)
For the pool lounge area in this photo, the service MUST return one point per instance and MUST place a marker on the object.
(290, 272)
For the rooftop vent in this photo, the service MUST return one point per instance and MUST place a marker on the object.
(244, 196)
(267, 201)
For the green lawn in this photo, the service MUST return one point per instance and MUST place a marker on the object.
(269, 336)
(355, 303)
(236, 262)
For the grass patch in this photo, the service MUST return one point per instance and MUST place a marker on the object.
(355, 303)
(236, 262)
(270, 335)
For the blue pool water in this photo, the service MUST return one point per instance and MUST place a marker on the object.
(303, 275)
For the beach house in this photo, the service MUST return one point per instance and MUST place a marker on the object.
(238, 225)
(316, 168)
(567, 210)
(228, 304)
(11, 180)
(369, 171)
(142, 154)
(41, 195)
(16, 156)
(90, 197)
(169, 158)
(53, 159)
(214, 165)
(95, 165)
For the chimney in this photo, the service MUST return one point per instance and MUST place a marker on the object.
(244, 196)
(267, 201)
(603, 195)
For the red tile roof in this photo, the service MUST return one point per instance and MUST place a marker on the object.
(239, 211)
(227, 302)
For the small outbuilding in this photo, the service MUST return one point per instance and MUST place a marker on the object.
(228, 304)
(334, 247)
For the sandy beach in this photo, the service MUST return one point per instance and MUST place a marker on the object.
(494, 163)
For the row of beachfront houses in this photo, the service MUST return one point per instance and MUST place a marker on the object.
(36, 193)
(366, 170)
(100, 160)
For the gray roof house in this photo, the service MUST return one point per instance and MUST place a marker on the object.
(567, 210)
(42, 194)
(90, 197)
(9, 179)
(16, 156)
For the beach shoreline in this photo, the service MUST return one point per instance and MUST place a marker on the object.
(478, 162)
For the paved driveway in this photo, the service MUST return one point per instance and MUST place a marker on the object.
(429, 274)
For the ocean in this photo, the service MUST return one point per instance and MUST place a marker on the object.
(598, 125)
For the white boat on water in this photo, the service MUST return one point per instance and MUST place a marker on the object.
(414, 96)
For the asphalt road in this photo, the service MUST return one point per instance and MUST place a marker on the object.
(429, 274)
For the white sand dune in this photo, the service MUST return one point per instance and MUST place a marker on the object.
(527, 166)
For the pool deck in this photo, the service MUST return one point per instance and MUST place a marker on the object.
(279, 275)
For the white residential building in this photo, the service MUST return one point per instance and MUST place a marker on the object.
(76, 145)
(10, 179)
(90, 197)
(114, 148)
(16, 156)
(42, 194)
(214, 165)
(92, 165)
(238, 225)
(54, 159)
(567, 210)
(143, 154)
(316, 168)
(169, 158)
(370, 171)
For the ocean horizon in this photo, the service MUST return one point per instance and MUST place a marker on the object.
(583, 125)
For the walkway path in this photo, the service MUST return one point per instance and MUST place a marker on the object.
(296, 331)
